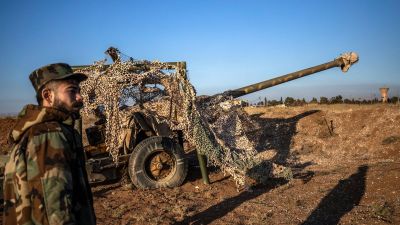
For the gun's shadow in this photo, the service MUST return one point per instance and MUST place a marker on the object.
(276, 133)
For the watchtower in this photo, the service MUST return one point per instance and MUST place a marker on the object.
(384, 94)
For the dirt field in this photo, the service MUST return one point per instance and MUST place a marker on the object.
(345, 160)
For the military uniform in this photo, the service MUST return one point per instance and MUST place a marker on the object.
(45, 180)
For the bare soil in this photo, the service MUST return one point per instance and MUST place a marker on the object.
(345, 160)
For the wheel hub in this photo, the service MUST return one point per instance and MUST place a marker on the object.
(160, 165)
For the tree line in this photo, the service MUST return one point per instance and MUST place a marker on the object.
(289, 101)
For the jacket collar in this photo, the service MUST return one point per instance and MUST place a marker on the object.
(33, 114)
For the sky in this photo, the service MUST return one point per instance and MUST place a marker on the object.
(226, 44)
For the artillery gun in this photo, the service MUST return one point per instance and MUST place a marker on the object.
(146, 112)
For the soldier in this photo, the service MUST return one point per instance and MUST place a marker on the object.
(45, 178)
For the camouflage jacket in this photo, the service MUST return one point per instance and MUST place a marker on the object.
(45, 180)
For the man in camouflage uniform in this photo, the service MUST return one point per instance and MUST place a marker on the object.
(45, 177)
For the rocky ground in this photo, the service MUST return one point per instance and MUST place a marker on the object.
(345, 160)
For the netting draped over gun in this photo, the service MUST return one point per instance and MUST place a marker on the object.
(147, 110)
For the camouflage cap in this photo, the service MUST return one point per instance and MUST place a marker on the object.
(56, 71)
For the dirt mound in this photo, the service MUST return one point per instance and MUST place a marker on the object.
(335, 133)
(6, 124)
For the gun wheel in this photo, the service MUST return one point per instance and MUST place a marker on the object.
(157, 162)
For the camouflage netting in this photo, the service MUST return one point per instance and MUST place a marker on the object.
(163, 90)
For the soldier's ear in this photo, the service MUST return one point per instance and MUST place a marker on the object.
(47, 96)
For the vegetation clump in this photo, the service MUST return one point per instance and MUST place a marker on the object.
(391, 140)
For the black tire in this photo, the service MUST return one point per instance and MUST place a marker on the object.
(157, 162)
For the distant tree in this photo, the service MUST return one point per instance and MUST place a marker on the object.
(347, 101)
(394, 100)
(289, 101)
(323, 100)
(314, 100)
(303, 101)
(374, 101)
(336, 100)
(281, 101)
(273, 102)
(298, 102)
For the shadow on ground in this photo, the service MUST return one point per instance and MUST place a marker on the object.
(221, 209)
(341, 200)
(276, 133)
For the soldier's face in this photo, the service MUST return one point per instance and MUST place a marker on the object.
(67, 96)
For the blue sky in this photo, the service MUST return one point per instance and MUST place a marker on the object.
(227, 44)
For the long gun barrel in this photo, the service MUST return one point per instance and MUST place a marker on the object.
(344, 62)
